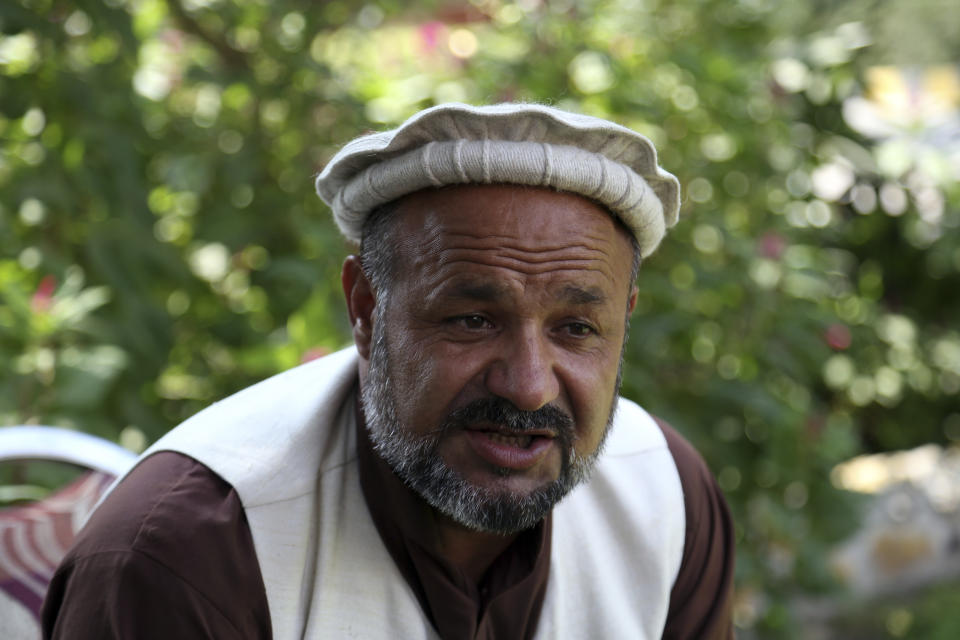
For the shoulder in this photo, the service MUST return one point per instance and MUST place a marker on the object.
(702, 595)
(174, 532)
(269, 439)
(163, 489)
(650, 509)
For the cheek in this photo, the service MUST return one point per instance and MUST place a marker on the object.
(429, 382)
(591, 390)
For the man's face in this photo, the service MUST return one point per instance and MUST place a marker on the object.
(493, 361)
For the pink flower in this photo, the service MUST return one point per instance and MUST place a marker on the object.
(430, 34)
(43, 296)
(772, 245)
(838, 336)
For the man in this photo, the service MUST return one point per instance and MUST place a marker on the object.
(466, 470)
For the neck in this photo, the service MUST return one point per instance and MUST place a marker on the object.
(472, 552)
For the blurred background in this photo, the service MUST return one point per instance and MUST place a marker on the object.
(161, 245)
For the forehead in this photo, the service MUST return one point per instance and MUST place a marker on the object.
(528, 230)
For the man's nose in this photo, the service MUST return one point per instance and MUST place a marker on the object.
(525, 372)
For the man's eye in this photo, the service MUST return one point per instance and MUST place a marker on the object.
(473, 322)
(579, 329)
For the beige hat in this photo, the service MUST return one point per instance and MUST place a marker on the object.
(525, 144)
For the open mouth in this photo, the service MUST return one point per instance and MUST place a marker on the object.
(510, 449)
(519, 441)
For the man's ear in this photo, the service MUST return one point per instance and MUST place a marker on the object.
(361, 301)
(632, 300)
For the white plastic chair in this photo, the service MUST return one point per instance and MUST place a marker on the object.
(35, 536)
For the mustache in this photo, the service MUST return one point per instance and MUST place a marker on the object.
(502, 412)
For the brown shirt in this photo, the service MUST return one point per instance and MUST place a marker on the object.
(169, 555)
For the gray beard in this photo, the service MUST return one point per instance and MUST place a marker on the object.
(416, 461)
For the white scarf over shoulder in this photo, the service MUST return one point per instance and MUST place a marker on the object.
(288, 447)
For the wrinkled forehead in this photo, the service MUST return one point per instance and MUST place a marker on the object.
(533, 226)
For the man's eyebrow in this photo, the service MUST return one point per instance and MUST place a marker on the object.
(578, 295)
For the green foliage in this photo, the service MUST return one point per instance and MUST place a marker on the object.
(932, 617)
(161, 245)
(23, 481)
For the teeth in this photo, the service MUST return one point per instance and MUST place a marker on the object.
(513, 441)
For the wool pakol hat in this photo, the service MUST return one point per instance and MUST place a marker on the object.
(523, 144)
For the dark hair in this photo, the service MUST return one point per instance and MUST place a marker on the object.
(377, 244)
